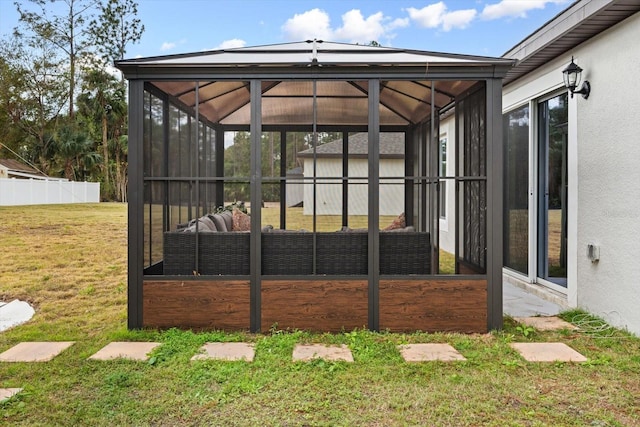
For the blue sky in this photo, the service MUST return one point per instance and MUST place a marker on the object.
(478, 27)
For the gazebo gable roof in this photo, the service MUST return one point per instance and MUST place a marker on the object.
(335, 75)
(309, 52)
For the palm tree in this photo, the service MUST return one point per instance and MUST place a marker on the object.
(75, 152)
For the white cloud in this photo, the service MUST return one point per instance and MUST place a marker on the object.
(312, 24)
(436, 15)
(355, 28)
(167, 46)
(429, 16)
(398, 23)
(458, 19)
(514, 8)
(230, 44)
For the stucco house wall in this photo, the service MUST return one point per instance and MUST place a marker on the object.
(604, 170)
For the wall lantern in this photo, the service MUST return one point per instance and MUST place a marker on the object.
(571, 76)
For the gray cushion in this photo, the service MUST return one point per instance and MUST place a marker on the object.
(228, 219)
(203, 226)
(219, 222)
(209, 223)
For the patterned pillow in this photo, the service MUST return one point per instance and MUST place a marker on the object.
(399, 222)
(241, 221)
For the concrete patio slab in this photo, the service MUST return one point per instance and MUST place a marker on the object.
(546, 323)
(518, 302)
(8, 393)
(42, 351)
(226, 351)
(547, 352)
(307, 352)
(429, 352)
(125, 350)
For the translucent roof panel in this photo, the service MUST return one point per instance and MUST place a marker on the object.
(291, 102)
(218, 82)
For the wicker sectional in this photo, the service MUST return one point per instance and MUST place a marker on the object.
(292, 253)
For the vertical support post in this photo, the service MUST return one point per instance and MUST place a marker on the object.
(374, 204)
(255, 186)
(219, 198)
(345, 181)
(409, 144)
(495, 159)
(283, 180)
(136, 205)
(166, 211)
(434, 187)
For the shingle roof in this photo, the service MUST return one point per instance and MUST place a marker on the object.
(391, 146)
(16, 166)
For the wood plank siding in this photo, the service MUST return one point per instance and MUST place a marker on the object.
(211, 304)
(433, 305)
(317, 305)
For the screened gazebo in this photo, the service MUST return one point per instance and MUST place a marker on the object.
(213, 241)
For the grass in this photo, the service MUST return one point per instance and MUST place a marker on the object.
(70, 262)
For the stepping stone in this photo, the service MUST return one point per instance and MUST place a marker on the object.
(307, 352)
(547, 352)
(226, 351)
(546, 323)
(35, 351)
(125, 350)
(429, 352)
(8, 393)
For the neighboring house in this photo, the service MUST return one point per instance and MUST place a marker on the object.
(329, 190)
(10, 168)
(572, 165)
(295, 190)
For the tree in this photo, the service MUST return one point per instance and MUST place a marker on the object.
(75, 152)
(34, 96)
(115, 28)
(67, 31)
(102, 102)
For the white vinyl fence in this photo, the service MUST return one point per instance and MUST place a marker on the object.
(15, 192)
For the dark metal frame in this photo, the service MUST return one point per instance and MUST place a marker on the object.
(491, 76)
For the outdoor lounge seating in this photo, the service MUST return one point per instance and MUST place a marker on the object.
(291, 253)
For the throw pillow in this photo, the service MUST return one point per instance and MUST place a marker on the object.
(241, 221)
(399, 222)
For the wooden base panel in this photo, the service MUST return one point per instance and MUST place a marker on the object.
(315, 305)
(433, 305)
(211, 304)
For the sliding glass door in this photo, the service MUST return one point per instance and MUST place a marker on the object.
(553, 190)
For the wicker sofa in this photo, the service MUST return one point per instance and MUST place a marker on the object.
(292, 253)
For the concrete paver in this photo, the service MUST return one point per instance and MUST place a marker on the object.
(226, 351)
(35, 351)
(429, 352)
(8, 393)
(547, 352)
(125, 350)
(546, 323)
(307, 352)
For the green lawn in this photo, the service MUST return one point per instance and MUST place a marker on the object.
(70, 263)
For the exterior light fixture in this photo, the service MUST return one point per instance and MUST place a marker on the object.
(571, 76)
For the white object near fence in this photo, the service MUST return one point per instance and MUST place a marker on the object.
(15, 192)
